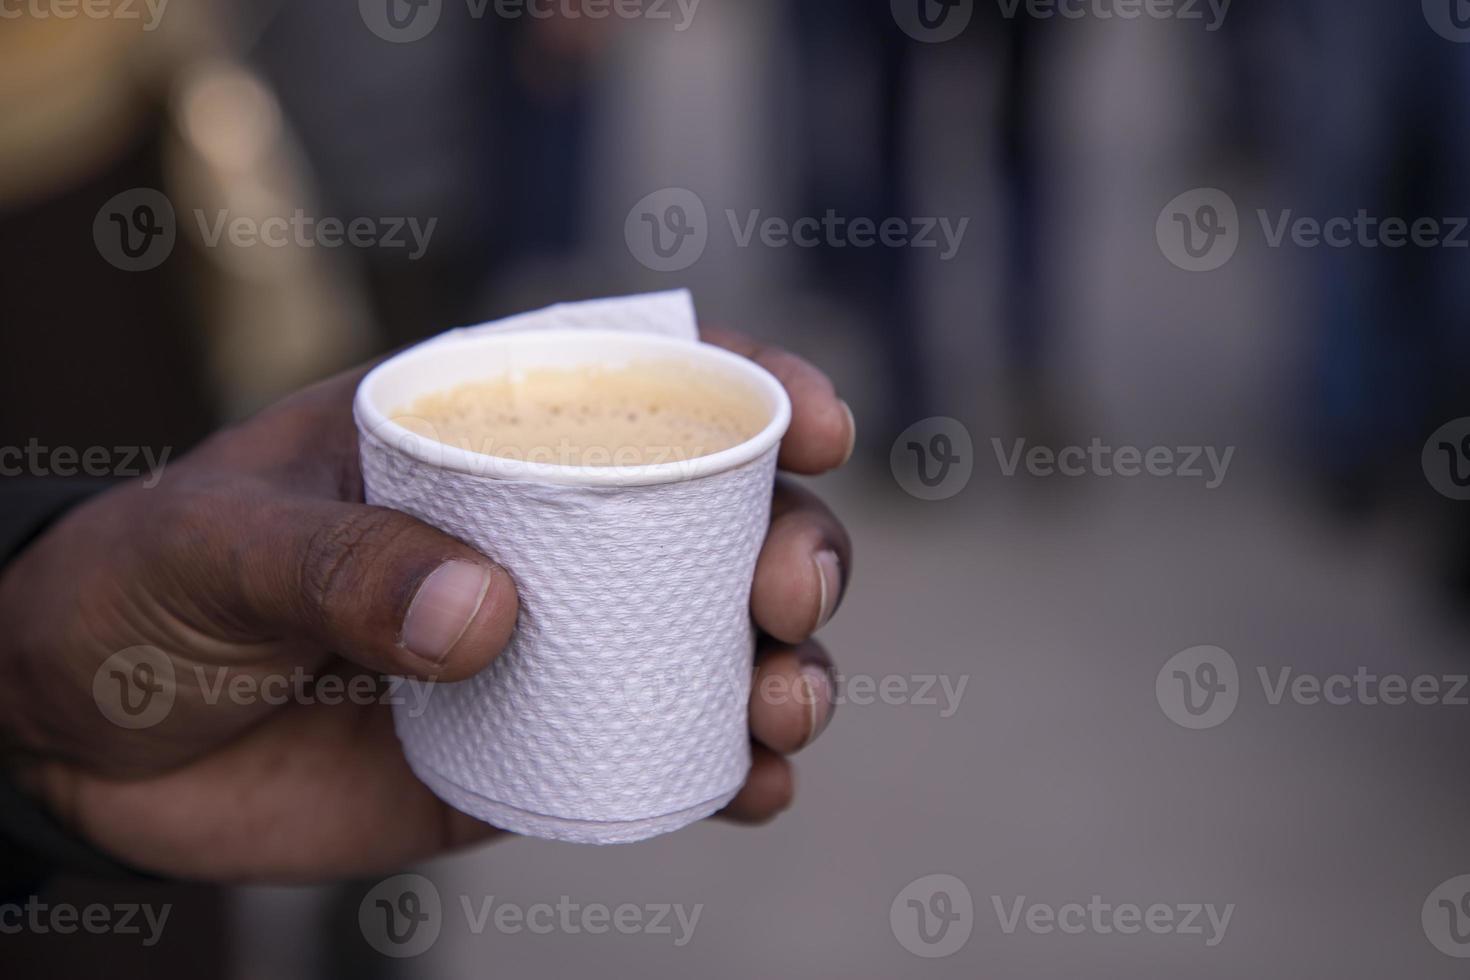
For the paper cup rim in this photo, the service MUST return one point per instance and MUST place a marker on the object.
(375, 423)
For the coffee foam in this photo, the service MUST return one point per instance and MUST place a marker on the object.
(641, 414)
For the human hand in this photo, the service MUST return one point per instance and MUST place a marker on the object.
(254, 563)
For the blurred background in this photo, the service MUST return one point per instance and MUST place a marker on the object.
(1092, 235)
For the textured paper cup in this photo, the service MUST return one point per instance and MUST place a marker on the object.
(619, 710)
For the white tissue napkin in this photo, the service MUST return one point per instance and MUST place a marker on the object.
(619, 710)
(668, 314)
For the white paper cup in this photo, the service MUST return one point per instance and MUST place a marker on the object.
(619, 710)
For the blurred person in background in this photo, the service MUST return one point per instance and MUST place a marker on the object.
(1364, 107)
(861, 162)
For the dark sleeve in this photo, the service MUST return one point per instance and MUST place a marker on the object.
(32, 844)
(28, 506)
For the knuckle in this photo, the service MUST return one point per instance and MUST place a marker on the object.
(189, 545)
(188, 521)
(336, 550)
(782, 793)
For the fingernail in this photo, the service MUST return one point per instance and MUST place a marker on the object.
(851, 434)
(829, 574)
(443, 609)
(818, 700)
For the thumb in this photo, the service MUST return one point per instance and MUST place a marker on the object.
(379, 588)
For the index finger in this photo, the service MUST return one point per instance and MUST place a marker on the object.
(822, 429)
(308, 438)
